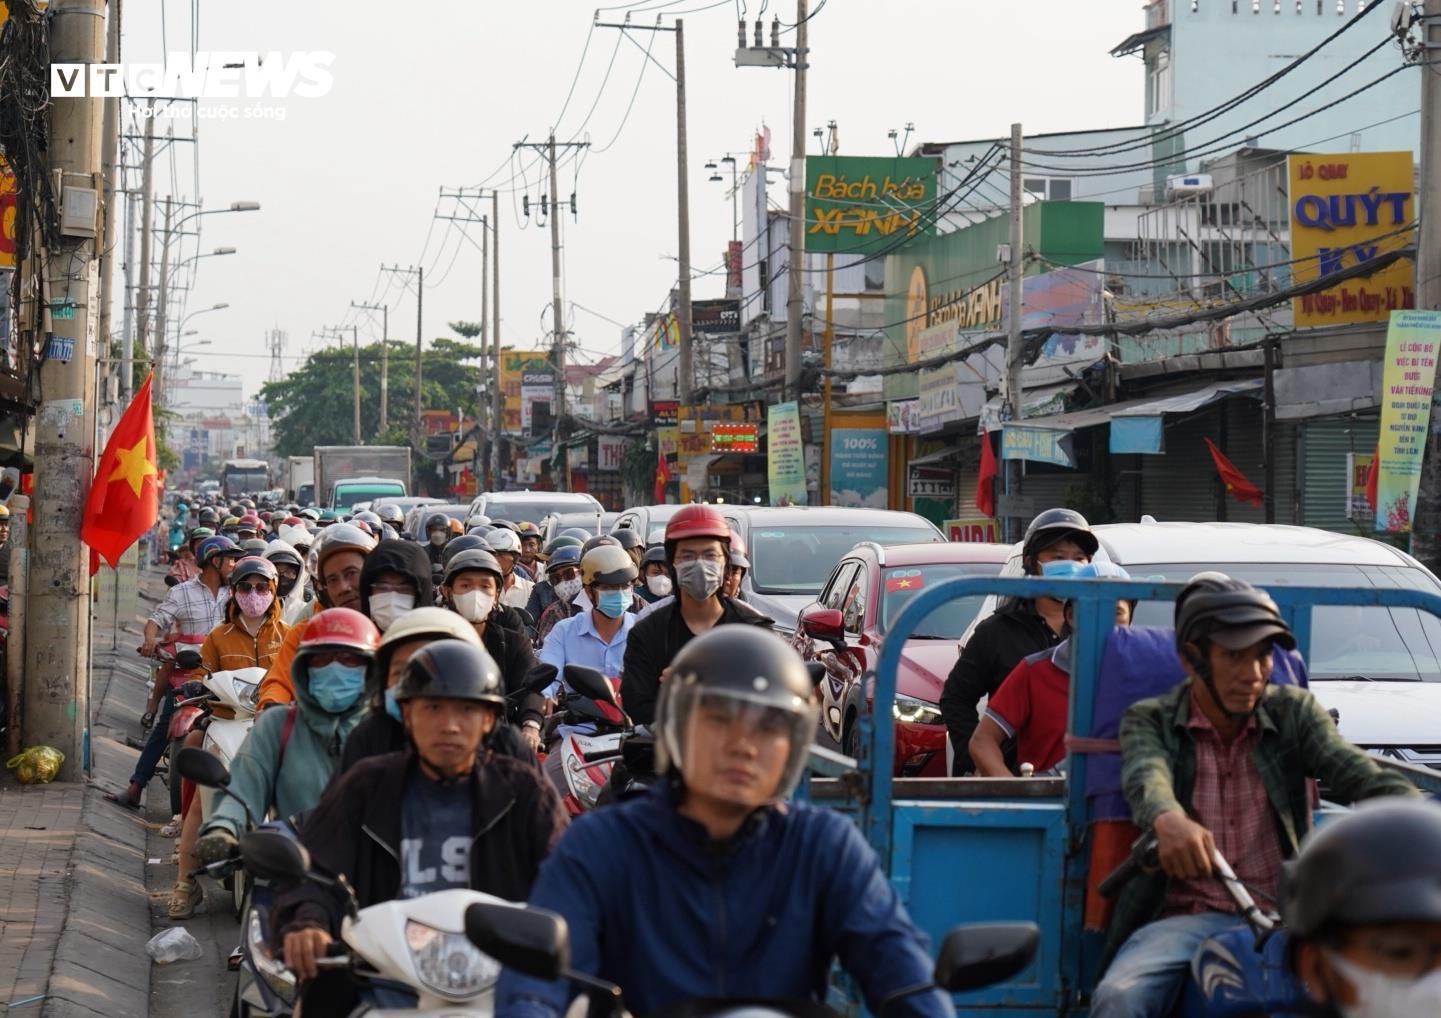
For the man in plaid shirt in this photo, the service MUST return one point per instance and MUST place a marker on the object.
(1218, 764)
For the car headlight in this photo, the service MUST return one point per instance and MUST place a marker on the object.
(914, 711)
(271, 969)
(447, 963)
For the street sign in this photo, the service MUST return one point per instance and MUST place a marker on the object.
(60, 349)
(62, 312)
(1016, 506)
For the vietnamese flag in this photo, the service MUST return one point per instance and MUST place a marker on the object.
(124, 499)
(985, 486)
(1373, 476)
(662, 477)
(1235, 481)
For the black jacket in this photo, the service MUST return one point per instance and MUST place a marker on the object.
(654, 642)
(513, 652)
(355, 829)
(404, 557)
(379, 733)
(999, 643)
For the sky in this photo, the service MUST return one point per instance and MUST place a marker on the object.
(435, 95)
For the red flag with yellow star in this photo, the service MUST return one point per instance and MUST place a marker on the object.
(124, 497)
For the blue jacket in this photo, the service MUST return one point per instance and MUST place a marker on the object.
(655, 908)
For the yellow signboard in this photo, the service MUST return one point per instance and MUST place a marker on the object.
(513, 364)
(1348, 209)
(7, 214)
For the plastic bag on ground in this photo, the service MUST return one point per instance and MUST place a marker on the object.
(173, 944)
(36, 765)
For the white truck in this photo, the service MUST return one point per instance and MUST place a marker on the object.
(360, 473)
(299, 479)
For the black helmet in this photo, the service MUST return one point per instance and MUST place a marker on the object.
(744, 667)
(459, 544)
(437, 521)
(597, 541)
(1213, 606)
(655, 553)
(1380, 863)
(628, 537)
(210, 517)
(1055, 525)
(451, 670)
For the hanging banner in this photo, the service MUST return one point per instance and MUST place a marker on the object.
(859, 461)
(1407, 380)
(785, 459)
(1358, 469)
(1347, 209)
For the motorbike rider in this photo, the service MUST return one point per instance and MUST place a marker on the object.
(290, 753)
(564, 584)
(394, 580)
(737, 569)
(629, 538)
(393, 517)
(697, 545)
(578, 602)
(190, 610)
(339, 561)
(448, 812)
(529, 548)
(1020, 627)
(1032, 704)
(543, 593)
(655, 582)
(1362, 908)
(292, 583)
(505, 546)
(709, 883)
(1219, 763)
(470, 589)
(182, 561)
(437, 535)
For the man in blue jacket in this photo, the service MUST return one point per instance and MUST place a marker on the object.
(710, 885)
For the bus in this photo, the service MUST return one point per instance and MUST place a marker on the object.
(244, 477)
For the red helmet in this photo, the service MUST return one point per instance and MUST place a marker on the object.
(339, 629)
(695, 521)
(250, 520)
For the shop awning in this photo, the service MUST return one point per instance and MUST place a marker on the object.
(1137, 425)
(937, 458)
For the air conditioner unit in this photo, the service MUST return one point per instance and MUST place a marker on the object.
(1182, 184)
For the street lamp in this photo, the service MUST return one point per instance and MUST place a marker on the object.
(716, 178)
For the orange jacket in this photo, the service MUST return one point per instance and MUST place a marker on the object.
(276, 687)
(229, 646)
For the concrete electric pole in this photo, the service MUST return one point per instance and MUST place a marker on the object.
(1015, 271)
(1425, 538)
(57, 639)
(419, 273)
(384, 310)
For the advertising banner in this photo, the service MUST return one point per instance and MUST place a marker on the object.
(859, 461)
(535, 387)
(608, 451)
(715, 317)
(1358, 469)
(1347, 209)
(902, 416)
(785, 460)
(513, 364)
(857, 204)
(977, 530)
(1408, 376)
(7, 216)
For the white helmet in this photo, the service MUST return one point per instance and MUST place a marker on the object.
(503, 540)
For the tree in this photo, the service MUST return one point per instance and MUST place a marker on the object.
(312, 405)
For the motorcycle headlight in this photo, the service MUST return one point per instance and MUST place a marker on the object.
(447, 963)
(913, 711)
(247, 692)
(271, 969)
(586, 789)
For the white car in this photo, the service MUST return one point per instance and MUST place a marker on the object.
(1379, 668)
(532, 506)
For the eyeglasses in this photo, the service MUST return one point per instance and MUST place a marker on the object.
(348, 658)
(252, 588)
(715, 558)
(566, 573)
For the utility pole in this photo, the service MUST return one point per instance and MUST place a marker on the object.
(147, 216)
(497, 397)
(488, 272)
(110, 143)
(419, 273)
(57, 619)
(1425, 540)
(795, 299)
(384, 310)
(355, 377)
(1015, 270)
(163, 294)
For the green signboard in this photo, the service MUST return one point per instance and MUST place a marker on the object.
(861, 204)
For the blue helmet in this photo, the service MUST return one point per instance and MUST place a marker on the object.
(212, 546)
(567, 555)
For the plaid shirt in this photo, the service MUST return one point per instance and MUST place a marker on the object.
(1229, 800)
(1295, 740)
(191, 608)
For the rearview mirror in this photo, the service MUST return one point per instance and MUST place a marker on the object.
(591, 684)
(540, 676)
(983, 954)
(271, 855)
(531, 941)
(203, 768)
(188, 659)
(820, 623)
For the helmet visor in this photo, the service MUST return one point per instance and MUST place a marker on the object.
(739, 746)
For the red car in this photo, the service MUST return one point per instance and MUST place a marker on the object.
(845, 627)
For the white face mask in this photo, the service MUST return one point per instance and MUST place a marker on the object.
(387, 605)
(474, 605)
(1381, 996)
(659, 584)
(567, 589)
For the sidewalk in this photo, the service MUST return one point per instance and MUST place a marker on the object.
(74, 910)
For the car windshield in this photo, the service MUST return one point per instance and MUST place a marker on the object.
(796, 559)
(347, 495)
(529, 511)
(1394, 644)
(949, 621)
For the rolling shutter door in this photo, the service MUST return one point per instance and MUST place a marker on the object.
(1325, 443)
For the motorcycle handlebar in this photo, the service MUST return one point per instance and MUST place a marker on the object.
(1142, 856)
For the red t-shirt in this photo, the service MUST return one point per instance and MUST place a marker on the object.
(1031, 705)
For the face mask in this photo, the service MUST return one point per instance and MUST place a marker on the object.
(286, 586)
(335, 687)
(613, 603)
(253, 604)
(567, 589)
(437, 537)
(659, 585)
(391, 706)
(387, 606)
(474, 605)
(1382, 996)
(700, 579)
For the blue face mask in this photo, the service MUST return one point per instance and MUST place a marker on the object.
(391, 706)
(335, 687)
(613, 603)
